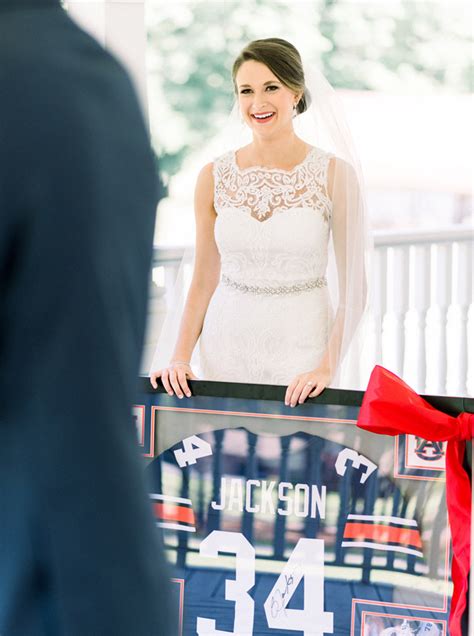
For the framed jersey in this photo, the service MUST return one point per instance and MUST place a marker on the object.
(292, 522)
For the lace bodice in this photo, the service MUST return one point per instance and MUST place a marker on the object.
(273, 225)
(268, 318)
(263, 192)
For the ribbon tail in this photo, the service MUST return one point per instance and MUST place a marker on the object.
(391, 407)
(459, 509)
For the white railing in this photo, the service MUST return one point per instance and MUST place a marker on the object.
(422, 295)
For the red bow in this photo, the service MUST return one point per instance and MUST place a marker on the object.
(391, 407)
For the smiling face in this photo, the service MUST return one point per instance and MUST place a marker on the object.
(265, 103)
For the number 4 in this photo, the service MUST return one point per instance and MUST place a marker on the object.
(306, 561)
(193, 449)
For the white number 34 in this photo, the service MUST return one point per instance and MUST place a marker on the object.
(306, 562)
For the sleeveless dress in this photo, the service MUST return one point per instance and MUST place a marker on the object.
(269, 316)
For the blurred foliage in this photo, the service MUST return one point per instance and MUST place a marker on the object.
(402, 46)
(398, 45)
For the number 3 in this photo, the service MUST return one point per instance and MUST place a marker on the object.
(220, 541)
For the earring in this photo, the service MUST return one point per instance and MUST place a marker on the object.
(295, 110)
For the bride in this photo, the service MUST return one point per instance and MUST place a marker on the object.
(271, 217)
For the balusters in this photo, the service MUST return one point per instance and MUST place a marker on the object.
(250, 473)
(280, 520)
(344, 499)
(441, 296)
(398, 304)
(313, 450)
(379, 300)
(183, 537)
(200, 498)
(463, 293)
(413, 290)
(370, 497)
(214, 516)
(419, 302)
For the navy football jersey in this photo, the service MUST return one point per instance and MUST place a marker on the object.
(295, 535)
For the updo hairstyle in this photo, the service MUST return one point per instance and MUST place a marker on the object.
(284, 61)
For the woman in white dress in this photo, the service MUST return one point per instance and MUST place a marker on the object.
(258, 301)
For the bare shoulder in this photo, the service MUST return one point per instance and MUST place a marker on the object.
(206, 175)
(204, 194)
(205, 180)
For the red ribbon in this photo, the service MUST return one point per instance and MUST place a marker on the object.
(391, 407)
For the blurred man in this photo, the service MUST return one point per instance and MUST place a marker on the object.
(78, 553)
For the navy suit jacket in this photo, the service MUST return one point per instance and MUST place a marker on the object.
(79, 554)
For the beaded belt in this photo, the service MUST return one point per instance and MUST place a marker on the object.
(275, 291)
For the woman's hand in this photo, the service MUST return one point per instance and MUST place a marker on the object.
(174, 378)
(307, 385)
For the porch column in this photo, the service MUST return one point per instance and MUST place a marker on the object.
(119, 25)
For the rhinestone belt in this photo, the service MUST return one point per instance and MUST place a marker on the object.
(275, 291)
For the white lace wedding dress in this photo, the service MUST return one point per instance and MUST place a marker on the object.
(269, 317)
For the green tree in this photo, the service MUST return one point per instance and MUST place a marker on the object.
(397, 46)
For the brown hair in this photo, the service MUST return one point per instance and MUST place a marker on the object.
(284, 61)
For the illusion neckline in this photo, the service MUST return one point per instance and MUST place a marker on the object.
(309, 154)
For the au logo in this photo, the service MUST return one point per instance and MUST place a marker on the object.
(428, 451)
(418, 458)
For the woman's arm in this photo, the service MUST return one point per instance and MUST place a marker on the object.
(204, 282)
(350, 244)
(348, 234)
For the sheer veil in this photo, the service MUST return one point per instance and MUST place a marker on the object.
(323, 125)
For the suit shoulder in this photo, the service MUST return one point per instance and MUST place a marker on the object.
(32, 70)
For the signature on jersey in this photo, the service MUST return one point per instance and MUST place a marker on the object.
(282, 594)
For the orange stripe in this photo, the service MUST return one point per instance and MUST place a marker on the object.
(171, 512)
(382, 534)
